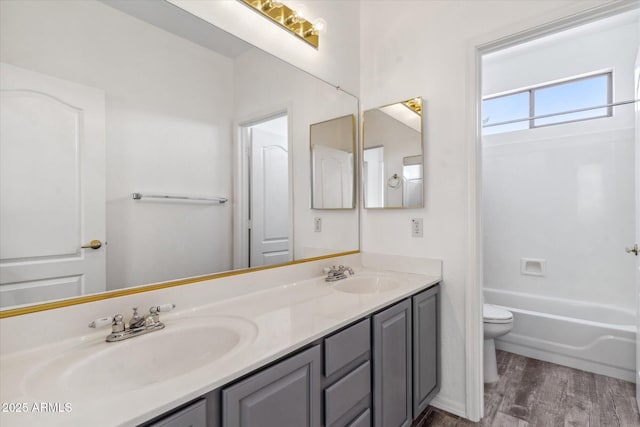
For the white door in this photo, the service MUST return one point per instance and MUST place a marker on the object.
(332, 178)
(637, 236)
(52, 187)
(269, 204)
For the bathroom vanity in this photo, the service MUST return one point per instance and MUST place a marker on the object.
(361, 351)
(381, 370)
(148, 151)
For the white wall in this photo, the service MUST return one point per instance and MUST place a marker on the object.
(336, 61)
(308, 101)
(412, 48)
(563, 193)
(166, 99)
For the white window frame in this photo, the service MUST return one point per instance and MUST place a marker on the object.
(532, 112)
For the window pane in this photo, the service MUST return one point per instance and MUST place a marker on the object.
(505, 108)
(589, 92)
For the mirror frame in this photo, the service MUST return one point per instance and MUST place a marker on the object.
(34, 308)
(422, 150)
(354, 148)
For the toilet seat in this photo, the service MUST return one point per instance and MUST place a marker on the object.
(493, 314)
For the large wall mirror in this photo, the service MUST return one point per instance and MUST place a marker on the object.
(392, 159)
(140, 144)
(333, 145)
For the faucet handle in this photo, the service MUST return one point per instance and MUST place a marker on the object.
(153, 317)
(103, 321)
(161, 308)
(166, 307)
(117, 325)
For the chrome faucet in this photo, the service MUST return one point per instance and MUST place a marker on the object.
(138, 325)
(334, 274)
(136, 320)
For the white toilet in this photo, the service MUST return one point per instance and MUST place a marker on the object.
(497, 322)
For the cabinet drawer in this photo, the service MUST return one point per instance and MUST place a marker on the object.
(363, 420)
(192, 416)
(346, 393)
(346, 346)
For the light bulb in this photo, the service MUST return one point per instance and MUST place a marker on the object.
(320, 25)
(300, 11)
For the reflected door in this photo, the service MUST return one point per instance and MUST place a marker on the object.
(373, 174)
(333, 178)
(54, 205)
(269, 204)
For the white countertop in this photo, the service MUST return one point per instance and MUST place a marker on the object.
(277, 321)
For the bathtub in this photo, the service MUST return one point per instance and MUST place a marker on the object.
(592, 337)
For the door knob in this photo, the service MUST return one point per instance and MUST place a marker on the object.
(94, 244)
(634, 250)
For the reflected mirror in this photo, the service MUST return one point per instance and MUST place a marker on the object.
(332, 163)
(392, 161)
(141, 144)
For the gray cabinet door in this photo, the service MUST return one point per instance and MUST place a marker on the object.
(192, 416)
(392, 388)
(426, 348)
(284, 395)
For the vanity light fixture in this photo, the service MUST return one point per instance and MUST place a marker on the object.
(289, 19)
(414, 104)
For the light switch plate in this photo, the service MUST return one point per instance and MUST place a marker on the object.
(416, 227)
(317, 224)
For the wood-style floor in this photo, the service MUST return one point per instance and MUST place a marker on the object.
(541, 394)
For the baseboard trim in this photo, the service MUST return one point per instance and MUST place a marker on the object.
(449, 405)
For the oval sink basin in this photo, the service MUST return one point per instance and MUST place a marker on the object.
(181, 347)
(366, 284)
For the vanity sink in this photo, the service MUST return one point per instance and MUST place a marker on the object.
(185, 345)
(369, 284)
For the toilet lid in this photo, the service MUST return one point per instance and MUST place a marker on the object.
(491, 312)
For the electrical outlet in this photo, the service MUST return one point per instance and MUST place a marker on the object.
(416, 227)
(317, 224)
